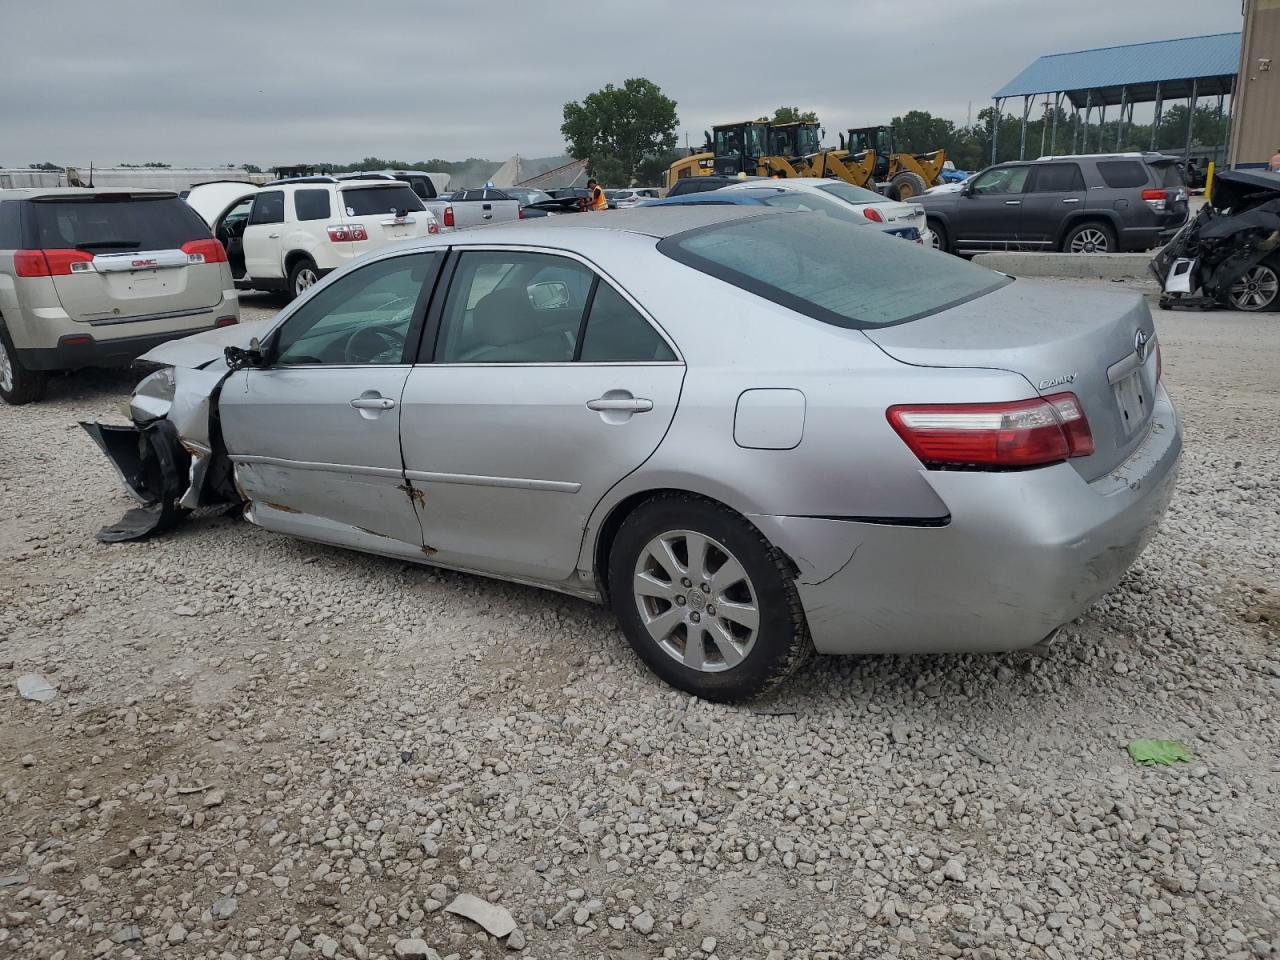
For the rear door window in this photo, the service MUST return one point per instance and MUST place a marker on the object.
(1120, 174)
(268, 207)
(311, 204)
(835, 272)
(366, 201)
(105, 222)
(11, 225)
(617, 333)
(1057, 178)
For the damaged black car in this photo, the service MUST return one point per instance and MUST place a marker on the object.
(1229, 253)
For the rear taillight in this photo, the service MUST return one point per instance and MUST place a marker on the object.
(1159, 363)
(347, 232)
(520, 214)
(448, 216)
(871, 213)
(1156, 199)
(205, 251)
(50, 263)
(1024, 433)
(433, 227)
(224, 322)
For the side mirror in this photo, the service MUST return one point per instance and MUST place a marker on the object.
(967, 189)
(549, 295)
(237, 357)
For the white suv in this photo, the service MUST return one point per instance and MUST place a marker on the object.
(288, 234)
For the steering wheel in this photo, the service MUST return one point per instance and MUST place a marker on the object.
(369, 343)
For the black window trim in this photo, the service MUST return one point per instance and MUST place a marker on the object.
(328, 195)
(412, 340)
(670, 247)
(265, 223)
(430, 342)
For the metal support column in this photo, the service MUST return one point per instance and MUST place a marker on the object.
(1053, 135)
(1155, 124)
(1084, 131)
(1022, 139)
(1191, 118)
(1124, 102)
(1217, 134)
(1102, 126)
(995, 129)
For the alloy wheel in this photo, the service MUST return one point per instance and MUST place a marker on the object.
(1090, 241)
(1256, 290)
(696, 601)
(6, 370)
(306, 278)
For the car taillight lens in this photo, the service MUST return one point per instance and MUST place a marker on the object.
(50, 263)
(205, 251)
(433, 227)
(347, 232)
(1159, 363)
(1023, 433)
(1156, 199)
(448, 216)
(520, 214)
(871, 213)
(225, 322)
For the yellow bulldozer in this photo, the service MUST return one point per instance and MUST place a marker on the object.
(908, 174)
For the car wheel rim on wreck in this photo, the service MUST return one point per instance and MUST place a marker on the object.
(696, 601)
(1090, 241)
(6, 370)
(1256, 290)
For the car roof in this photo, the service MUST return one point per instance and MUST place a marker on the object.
(33, 193)
(1147, 155)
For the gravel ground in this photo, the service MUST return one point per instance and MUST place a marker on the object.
(267, 748)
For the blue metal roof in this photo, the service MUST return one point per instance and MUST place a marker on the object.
(1213, 60)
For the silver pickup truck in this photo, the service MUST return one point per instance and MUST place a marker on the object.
(467, 208)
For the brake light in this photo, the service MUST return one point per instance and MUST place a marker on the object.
(448, 216)
(520, 214)
(433, 227)
(1156, 199)
(224, 322)
(1023, 433)
(1159, 362)
(347, 232)
(871, 213)
(205, 251)
(50, 263)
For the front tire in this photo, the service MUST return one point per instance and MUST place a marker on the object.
(907, 184)
(705, 600)
(939, 232)
(1259, 289)
(1090, 237)
(302, 277)
(18, 385)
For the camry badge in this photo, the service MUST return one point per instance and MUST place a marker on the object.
(1057, 381)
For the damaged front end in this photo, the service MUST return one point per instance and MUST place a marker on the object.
(172, 459)
(1230, 251)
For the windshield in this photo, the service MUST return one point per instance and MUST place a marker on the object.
(115, 222)
(807, 140)
(851, 194)
(757, 137)
(366, 201)
(831, 270)
(727, 142)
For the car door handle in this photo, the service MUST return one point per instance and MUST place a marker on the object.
(623, 404)
(1013, 203)
(373, 403)
(1071, 200)
(273, 236)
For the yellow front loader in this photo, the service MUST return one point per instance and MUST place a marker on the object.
(908, 174)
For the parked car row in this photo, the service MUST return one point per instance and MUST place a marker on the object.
(752, 432)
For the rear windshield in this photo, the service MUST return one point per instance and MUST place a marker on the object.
(107, 222)
(1169, 175)
(830, 270)
(366, 201)
(851, 194)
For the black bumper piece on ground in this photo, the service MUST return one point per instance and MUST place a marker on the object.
(155, 468)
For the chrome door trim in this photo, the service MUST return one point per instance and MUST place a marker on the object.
(459, 248)
(348, 468)
(518, 483)
(577, 365)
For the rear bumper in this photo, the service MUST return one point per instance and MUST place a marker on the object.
(1022, 554)
(83, 349)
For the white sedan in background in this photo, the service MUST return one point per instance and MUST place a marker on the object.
(891, 216)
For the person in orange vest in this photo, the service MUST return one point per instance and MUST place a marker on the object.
(595, 196)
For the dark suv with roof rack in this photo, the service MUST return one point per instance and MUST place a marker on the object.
(1094, 203)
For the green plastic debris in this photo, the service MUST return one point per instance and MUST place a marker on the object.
(1162, 753)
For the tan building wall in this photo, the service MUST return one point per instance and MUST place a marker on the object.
(1255, 117)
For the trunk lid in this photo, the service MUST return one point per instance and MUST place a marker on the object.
(388, 210)
(139, 269)
(1098, 345)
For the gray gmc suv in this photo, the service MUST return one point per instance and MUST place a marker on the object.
(1095, 203)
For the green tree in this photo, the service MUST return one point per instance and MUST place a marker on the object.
(43, 166)
(793, 115)
(617, 128)
(251, 168)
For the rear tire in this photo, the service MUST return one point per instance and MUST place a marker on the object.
(302, 277)
(18, 385)
(1258, 291)
(675, 610)
(940, 240)
(907, 184)
(1090, 237)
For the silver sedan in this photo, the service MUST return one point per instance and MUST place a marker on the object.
(754, 434)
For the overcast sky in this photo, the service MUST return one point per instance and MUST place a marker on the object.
(192, 83)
